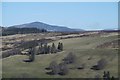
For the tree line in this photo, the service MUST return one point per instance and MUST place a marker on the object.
(44, 48)
(14, 30)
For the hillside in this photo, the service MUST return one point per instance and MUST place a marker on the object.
(83, 47)
(48, 27)
(15, 30)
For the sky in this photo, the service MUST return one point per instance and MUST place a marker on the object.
(81, 15)
(60, 0)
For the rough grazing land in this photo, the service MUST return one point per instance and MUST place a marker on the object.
(83, 47)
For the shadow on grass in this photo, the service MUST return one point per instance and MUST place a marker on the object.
(50, 73)
(47, 68)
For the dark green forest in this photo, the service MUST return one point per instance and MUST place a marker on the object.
(13, 30)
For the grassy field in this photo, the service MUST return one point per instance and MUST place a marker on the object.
(83, 48)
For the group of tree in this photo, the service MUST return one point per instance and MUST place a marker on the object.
(55, 68)
(60, 46)
(14, 30)
(44, 48)
(106, 76)
(61, 68)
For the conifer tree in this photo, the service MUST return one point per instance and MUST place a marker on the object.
(53, 48)
(48, 49)
(45, 48)
(31, 54)
(61, 46)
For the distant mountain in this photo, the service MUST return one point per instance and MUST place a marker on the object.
(47, 27)
(111, 29)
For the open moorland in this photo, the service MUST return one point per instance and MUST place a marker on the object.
(87, 47)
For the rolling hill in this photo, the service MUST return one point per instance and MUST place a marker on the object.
(82, 47)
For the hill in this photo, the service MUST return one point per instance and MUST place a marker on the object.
(83, 47)
(48, 27)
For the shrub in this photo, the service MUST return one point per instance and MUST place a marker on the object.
(70, 58)
(100, 64)
(63, 69)
(54, 67)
